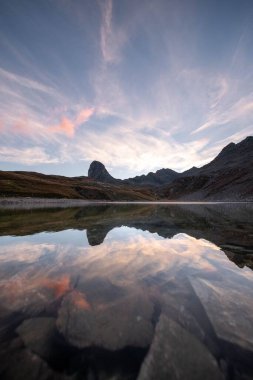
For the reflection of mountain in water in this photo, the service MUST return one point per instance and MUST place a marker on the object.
(227, 225)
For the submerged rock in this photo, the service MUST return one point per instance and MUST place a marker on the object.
(24, 364)
(38, 335)
(230, 311)
(175, 354)
(33, 291)
(126, 322)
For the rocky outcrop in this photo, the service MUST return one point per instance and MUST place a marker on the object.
(98, 172)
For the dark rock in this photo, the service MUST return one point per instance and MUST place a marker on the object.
(177, 355)
(38, 335)
(24, 364)
(184, 185)
(232, 156)
(160, 177)
(114, 326)
(100, 290)
(190, 172)
(98, 172)
(229, 309)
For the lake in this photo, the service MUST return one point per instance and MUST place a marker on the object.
(127, 291)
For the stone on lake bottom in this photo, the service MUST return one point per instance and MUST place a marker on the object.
(126, 322)
(37, 335)
(229, 310)
(175, 354)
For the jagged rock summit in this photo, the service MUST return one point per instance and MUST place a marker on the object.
(98, 172)
(232, 156)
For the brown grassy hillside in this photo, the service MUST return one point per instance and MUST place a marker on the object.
(29, 184)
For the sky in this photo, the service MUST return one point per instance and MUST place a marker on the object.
(138, 85)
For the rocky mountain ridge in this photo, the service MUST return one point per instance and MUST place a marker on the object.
(228, 176)
(98, 172)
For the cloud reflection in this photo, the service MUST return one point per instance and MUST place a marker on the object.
(49, 271)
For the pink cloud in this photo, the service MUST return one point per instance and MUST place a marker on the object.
(25, 125)
(84, 115)
(68, 126)
(65, 126)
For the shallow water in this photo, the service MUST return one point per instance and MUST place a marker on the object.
(127, 292)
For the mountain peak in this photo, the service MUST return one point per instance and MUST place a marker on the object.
(233, 155)
(238, 149)
(247, 142)
(94, 166)
(98, 172)
(227, 149)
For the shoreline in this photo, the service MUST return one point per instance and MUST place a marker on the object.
(27, 202)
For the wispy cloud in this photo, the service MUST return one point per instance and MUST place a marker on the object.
(241, 110)
(137, 152)
(28, 83)
(27, 156)
(127, 83)
(106, 31)
(25, 110)
(111, 38)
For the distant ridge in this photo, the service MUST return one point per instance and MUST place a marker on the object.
(228, 176)
(160, 177)
(231, 156)
(98, 172)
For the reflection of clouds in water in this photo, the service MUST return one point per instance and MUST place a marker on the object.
(96, 277)
(142, 256)
(32, 291)
(247, 273)
(111, 295)
(125, 233)
(70, 236)
(124, 263)
(24, 252)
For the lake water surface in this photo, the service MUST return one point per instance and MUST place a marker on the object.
(127, 292)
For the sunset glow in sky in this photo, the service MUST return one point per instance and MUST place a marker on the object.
(137, 85)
